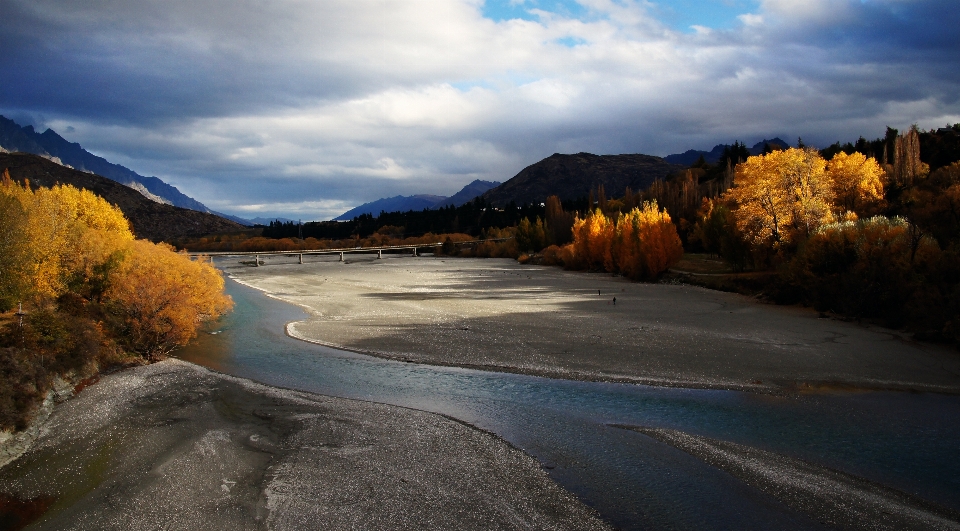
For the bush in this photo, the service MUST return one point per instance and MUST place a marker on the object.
(73, 263)
(868, 268)
(160, 298)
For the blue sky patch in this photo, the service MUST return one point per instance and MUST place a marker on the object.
(719, 14)
(678, 14)
(570, 42)
(500, 10)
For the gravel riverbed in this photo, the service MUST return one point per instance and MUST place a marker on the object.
(176, 446)
(499, 315)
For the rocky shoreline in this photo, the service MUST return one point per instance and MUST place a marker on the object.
(176, 446)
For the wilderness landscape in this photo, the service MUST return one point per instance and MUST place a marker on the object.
(565, 265)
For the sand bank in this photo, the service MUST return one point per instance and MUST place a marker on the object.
(500, 315)
(839, 500)
(175, 446)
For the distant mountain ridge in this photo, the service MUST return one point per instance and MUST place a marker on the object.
(405, 203)
(691, 156)
(574, 176)
(397, 203)
(51, 145)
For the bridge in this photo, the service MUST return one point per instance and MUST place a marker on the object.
(413, 248)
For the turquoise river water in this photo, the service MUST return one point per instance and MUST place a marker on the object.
(907, 441)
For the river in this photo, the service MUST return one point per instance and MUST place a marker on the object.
(908, 441)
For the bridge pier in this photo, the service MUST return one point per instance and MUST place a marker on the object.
(341, 257)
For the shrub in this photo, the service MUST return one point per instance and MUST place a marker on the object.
(159, 298)
(867, 268)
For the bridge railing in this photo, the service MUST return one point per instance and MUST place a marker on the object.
(379, 249)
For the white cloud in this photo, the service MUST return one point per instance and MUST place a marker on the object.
(337, 102)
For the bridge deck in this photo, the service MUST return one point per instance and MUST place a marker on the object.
(341, 251)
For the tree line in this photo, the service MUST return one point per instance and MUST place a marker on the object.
(87, 294)
(471, 218)
(849, 233)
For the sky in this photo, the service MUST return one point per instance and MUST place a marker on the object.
(304, 109)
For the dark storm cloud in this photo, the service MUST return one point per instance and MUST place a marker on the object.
(260, 107)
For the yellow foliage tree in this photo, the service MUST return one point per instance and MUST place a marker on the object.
(592, 240)
(161, 297)
(641, 244)
(647, 242)
(781, 196)
(15, 273)
(66, 234)
(855, 179)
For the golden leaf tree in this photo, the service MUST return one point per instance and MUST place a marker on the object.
(781, 196)
(592, 238)
(65, 235)
(15, 274)
(161, 298)
(647, 242)
(856, 180)
(641, 244)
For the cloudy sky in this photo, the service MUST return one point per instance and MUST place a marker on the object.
(305, 108)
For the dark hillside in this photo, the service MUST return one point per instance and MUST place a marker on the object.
(150, 220)
(573, 176)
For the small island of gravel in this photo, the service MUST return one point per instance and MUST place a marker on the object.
(499, 315)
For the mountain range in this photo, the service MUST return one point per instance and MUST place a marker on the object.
(692, 155)
(405, 203)
(55, 148)
(574, 176)
(568, 176)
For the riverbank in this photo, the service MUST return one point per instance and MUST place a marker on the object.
(175, 446)
(496, 314)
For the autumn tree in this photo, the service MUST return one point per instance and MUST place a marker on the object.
(856, 180)
(592, 239)
(646, 242)
(14, 275)
(781, 196)
(89, 287)
(66, 240)
(640, 244)
(65, 236)
(160, 298)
